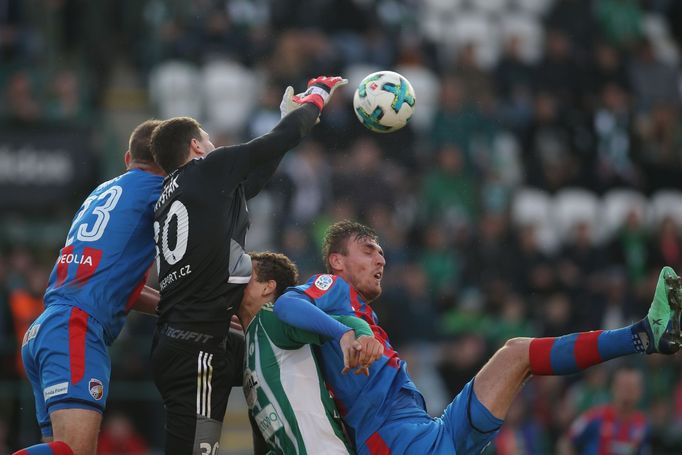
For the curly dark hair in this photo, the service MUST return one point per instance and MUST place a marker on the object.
(171, 140)
(275, 266)
(337, 235)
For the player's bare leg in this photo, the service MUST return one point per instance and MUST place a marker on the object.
(79, 428)
(500, 380)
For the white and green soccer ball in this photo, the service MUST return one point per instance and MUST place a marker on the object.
(384, 101)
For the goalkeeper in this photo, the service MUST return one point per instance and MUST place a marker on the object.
(200, 225)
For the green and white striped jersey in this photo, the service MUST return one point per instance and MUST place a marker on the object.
(284, 388)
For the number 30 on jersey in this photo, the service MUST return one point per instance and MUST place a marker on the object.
(174, 255)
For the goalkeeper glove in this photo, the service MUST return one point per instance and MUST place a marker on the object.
(320, 90)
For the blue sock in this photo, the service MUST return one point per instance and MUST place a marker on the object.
(573, 353)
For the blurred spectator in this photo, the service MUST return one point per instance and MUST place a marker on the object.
(392, 234)
(462, 357)
(449, 192)
(592, 390)
(666, 246)
(572, 18)
(607, 67)
(556, 315)
(477, 84)
(26, 304)
(297, 245)
(653, 80)
(118, 437)
(512, 321)
(548, 157)
(15, 35)
(617, 427)
(556, 72)
(457, 121)
(620, 21)
(66, 98)
(535, 273)
(519, 435)
(266, 114)
(408, 309)
(613, 128)
(629, 248)
(514, 83)
(660, 135)
(364, 179)
(443, 267)
(580, 269)
(309, 171)
(21, 103)
(488, 261)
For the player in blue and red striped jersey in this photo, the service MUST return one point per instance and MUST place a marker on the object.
(617, 427)
(385, 413)
(98, 277)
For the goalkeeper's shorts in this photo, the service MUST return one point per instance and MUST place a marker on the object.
(194, 380)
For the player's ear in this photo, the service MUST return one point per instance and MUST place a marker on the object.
(270, 287)
(127, 158)
(335, 261)
(196, 148)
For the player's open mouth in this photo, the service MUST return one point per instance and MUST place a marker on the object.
(378, 275)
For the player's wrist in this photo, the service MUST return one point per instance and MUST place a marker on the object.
(315, 98)
(343, 331)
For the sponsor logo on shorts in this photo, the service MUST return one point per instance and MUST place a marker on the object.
(31, 333)
(324, 282)
(55, 390)
(96, 388)
(186, 335)
(268, 421)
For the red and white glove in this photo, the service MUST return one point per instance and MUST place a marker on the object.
(320, 90)
(318, 93)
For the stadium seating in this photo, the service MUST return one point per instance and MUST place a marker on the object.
(174, 88)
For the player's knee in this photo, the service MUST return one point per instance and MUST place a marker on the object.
(517, 347)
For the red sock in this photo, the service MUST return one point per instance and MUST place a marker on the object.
(50, 448)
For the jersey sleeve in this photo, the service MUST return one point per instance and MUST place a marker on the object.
(254, 162)
(301, 337)
(305, 337)
(330, 293)
(296, 310)
(361, 327)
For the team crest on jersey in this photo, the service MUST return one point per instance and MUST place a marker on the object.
(30, 334)
(324, 282)
(96, 388)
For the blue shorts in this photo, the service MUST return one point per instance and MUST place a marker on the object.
(466, 427)
(67, 362)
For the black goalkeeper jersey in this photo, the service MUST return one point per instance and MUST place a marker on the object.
(201, 219)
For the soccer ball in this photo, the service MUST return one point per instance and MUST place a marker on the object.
(384, 101)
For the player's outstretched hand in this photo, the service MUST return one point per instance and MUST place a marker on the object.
(351, 351)
(288, 105)
(320, 90)
(372, 350)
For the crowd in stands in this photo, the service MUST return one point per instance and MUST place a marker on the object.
(535, 192)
